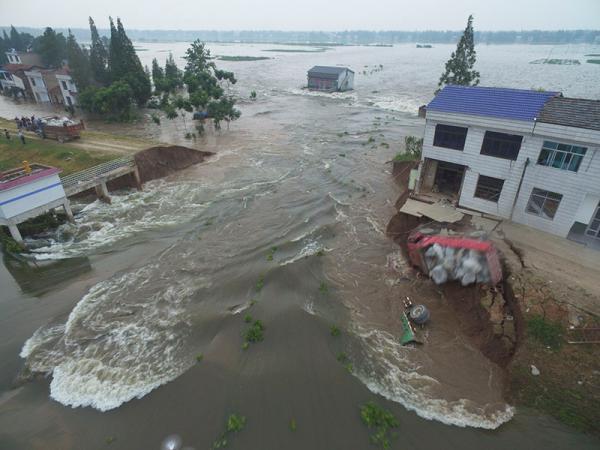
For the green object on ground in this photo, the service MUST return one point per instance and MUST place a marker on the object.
(408, 335)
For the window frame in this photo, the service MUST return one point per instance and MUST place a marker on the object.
(545, 196)
(457, 133)
(553, 148)
(497, 139)
(477, 187)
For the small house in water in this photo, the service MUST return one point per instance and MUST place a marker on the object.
(528, 156)
(330, 79)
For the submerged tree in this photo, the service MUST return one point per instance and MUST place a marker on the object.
(459, 68)
(173, 76)
(204, 87)
(158, 76)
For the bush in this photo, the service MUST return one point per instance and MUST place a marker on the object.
(547, 333)
(113, 102)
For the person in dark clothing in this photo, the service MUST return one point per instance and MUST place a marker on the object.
(6, 134)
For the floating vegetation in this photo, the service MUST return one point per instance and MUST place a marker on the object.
(272, 251)
(424, 46)
(321, 253)
(235, 424)
(253, 95)
(199, 357)
(242, 58)
(335, 331)
(260, 283)
(370, 70)
(343, 358)
(382, 421)
(255, 333)
(248, 318)
(556, 61)
(110, 439)
(593, 61)
(593, 54)
(343, 155)
(293, 424)
(297, 50)
(323, 288)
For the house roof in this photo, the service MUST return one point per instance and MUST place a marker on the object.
(12, 68)
(327, 71)
(572, 112)
(514, 104)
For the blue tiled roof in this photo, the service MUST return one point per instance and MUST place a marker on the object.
(515, 104)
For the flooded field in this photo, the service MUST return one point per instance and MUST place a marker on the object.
(286, 224)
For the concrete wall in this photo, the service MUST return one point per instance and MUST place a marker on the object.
(15, 201)
(574, 186)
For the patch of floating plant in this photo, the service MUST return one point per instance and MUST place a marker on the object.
(241, 58)
(556, 61)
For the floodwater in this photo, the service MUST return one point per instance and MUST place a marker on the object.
(285, 223)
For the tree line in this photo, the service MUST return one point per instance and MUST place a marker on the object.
(350, 37)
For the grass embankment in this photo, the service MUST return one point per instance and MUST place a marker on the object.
(567, 386)
(91, 149)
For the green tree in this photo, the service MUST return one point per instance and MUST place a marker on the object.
(79, 63)
(158, 76)
(173, 76)
(125, 65)
(52, 47)
(459, 68)
(98, 57)
(16, 41)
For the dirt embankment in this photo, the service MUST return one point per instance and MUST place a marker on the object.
(158, 162)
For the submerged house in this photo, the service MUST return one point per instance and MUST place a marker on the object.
(528, 156)
(330, 79)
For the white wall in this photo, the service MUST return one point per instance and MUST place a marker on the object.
(20, 206)
(71, 89)
(573, 186)
(40, 92)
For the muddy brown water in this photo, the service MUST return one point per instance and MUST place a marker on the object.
(121, 303)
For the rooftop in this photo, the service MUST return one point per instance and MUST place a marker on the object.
(12, 68)
(572, 112)
(17, 177)
(513, 104)
(327, 70)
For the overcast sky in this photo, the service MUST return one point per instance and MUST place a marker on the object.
(306, 14)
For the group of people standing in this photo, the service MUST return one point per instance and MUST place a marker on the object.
(29, 123)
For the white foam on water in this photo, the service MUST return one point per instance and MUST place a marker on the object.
(392, 375)
(160, 204)
(123, 339)
(406, 105)
(348, 95)
(312, 247)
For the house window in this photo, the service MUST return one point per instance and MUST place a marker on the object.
(489, 188)
(561, 156)
(32, 81)
(64, 83)
(543, 203)
(448, 136)
(501, 145)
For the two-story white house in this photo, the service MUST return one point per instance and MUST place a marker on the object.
(528, 156)
(67, 86)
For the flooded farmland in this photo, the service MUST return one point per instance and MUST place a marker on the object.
(285, 224)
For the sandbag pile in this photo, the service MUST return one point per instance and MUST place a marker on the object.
(447, 263)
